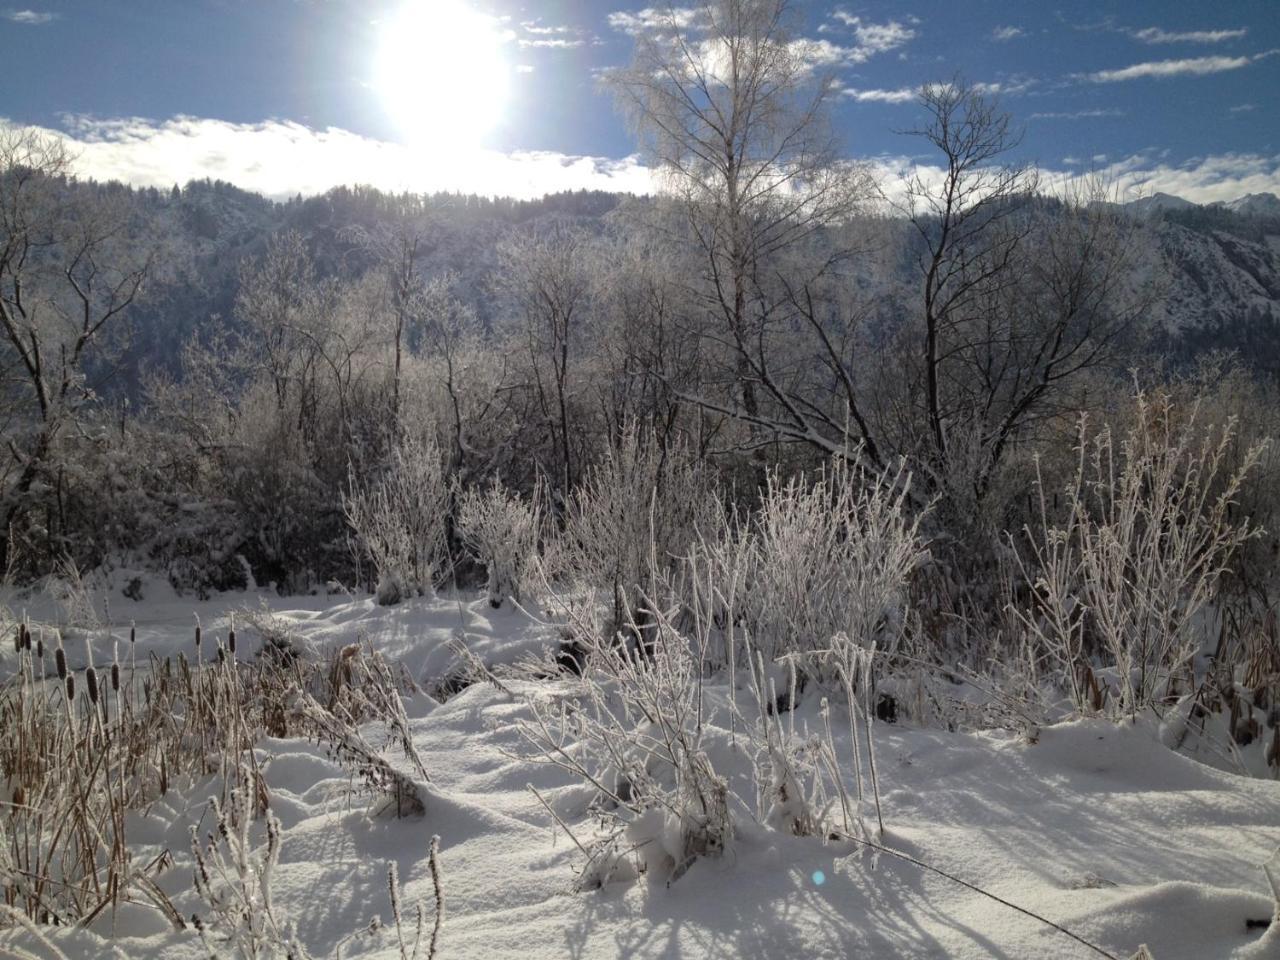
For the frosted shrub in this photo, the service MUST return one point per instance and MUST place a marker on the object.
(501, 531)
(1132, 567)
(399, 520)
(830, 558)
(233, 876)
(634, 728)
(634, 515)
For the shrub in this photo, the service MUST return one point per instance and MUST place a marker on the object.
(632, 519)
(399, 520)
(1130, 570)
(501, 531)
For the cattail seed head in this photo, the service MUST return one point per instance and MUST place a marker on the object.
(71, 686)
(40, 647)
(197, 638)
(26, 638)
(133, 633)
(115, 678)
(91, 680)
(61, 659)
(231, 639)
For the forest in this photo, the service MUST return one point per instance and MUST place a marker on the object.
(715, 507)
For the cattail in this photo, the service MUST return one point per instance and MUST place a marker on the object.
(91, 679)
(26, 638)
(197, 636)
(133, 633)
(115, 678)
(231, 638)
(60, 658)
(71, 686)
(222, 657)
(40, 647)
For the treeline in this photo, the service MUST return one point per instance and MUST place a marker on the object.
(203, 383)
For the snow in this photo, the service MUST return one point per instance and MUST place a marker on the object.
(1099, 827)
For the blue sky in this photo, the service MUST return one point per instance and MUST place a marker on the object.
(288, 96)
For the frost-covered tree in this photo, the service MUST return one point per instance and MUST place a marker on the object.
(735, 119)
(547, 278)
(71, 266)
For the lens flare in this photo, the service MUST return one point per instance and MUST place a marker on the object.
(442, 73)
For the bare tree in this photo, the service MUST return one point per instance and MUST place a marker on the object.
(969, 230)
(734, 117)
(1017, 296)
(646, 357)
(548, 280)
(71, 265)
(1080, 293)
(398, 249)
(278, 299)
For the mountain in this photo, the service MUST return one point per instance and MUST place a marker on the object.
(1255, 205)
(1158, 203)
(1250, 205)
(1221, 261)
(1223, 274)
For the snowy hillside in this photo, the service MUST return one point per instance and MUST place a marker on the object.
(1096, 826)
(1222, 264)
(1158, 203)
(1218, 281)
(1255, 204)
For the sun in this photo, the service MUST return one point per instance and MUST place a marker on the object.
(441, 72)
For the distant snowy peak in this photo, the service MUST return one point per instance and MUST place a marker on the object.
(1255, 204)
(1158, 203)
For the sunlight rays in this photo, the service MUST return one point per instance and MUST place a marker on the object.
(442, 73)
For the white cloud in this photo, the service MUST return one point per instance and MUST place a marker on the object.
(553, 43)
(869, 38)
(533, 33)
(820, 53)
(901, 95)
(1079, 114)
(648, 19)
(29, 17)
(535, 27)
(1008, 88)
(1156, 35)
(874, 38)
(1202, 180)
(279, 159)
(1004, 34)
(1194, 66)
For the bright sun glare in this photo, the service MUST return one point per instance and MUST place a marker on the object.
(441, 72)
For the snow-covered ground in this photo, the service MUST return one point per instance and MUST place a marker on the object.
(1096, 826)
